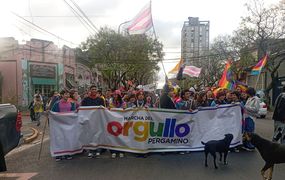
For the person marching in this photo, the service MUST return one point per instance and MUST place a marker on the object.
(279, 118)
(93, 99)
(251, 109)
(64, 106)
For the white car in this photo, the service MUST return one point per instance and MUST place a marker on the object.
(263, 110)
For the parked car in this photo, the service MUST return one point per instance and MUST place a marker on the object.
(263, 110)
(10, 127)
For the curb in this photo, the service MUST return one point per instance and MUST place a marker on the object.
(32, 137)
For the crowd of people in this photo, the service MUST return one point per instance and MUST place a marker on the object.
(169, 98)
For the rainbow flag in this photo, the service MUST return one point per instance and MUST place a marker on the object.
(226, 81)
(258, 67)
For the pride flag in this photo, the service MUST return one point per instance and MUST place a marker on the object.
(258, 67)
(226, 81)
(142, 22)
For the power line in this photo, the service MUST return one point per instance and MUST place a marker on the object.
(80, 18)
(67, 16)
(85, 15)
(44, 29)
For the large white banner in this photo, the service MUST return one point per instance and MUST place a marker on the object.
(142, 130)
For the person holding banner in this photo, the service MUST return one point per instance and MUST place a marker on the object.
(165, 99)
(117, 102)
(220, 99)
(93, 99)
(64, 106)
(140, 99)
(186, 103)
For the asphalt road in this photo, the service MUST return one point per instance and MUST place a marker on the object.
(242, 166)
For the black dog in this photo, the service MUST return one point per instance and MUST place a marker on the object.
(221, 146)
(272, 153)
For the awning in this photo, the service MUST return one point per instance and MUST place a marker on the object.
(44, 81)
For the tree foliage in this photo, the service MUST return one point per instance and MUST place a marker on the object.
(264, 27)
(121, 58)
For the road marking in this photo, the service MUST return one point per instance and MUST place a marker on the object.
(19, 176)
(25, 146)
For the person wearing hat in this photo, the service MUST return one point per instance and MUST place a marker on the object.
(165, 99)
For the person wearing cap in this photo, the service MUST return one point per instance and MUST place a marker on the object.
(165, 99)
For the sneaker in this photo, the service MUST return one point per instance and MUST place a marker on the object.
(90, 155)
(182, 152)
(236, 150)
(121, 155)
(68, 157)
(97, 154)
(58, 158)
(113, 156)
(247, 149)
(250, 146)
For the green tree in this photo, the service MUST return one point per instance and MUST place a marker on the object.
(121, 58)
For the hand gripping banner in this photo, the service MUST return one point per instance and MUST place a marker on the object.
(142, 130)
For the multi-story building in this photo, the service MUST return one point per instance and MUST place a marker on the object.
(38, 66)
(195, 41)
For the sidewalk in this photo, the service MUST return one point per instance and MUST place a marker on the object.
(30, 130)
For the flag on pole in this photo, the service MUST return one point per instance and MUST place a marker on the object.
(258, 67)
(226, 81)
(175, 70)
(142, 22)
(192, 71)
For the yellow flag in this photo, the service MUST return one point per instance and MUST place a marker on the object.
(175, 70)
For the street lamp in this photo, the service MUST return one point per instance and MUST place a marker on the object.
(121, 25)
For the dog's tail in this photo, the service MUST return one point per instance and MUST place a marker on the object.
(203, 143)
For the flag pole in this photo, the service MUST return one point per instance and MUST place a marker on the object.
(260, 72)
(257, 80)
(156, 39)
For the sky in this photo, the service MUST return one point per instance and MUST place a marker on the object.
(168, 17)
